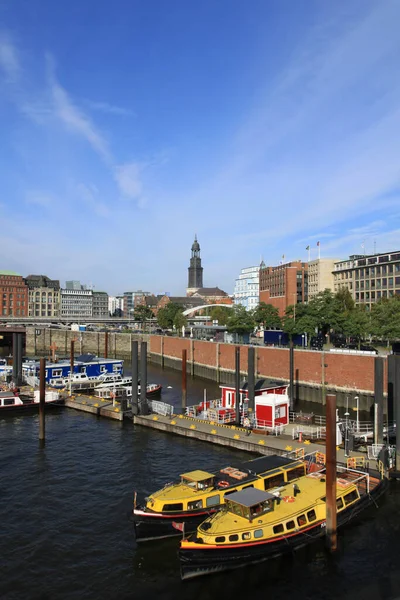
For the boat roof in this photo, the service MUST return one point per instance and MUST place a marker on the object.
(265, 463)
(197, 475)
(250, 497)
(78, 361)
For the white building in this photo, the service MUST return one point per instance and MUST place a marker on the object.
(320, 276)
(76, 303)
(247, 288)
(115, 303)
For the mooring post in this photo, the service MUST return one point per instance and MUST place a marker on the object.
(106, 344)
(331, 472)
(378, 401)
(250, 378)
(291, 375)
(135, 376)
(394, 392)
(72, 359)
(15, 359)
(184, 380)
(144, 409)
(42, 399)
(19, 361)
(237, 384)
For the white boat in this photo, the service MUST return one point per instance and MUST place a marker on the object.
(125, 391)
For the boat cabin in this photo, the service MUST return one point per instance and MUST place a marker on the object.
(9, 399)
(198, 480)
(250, 503)
(86, 366)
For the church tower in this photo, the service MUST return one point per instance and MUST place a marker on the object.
(195, 277)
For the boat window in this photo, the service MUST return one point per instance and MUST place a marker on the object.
(57, 372)
(290, 525)
(296, 473)
(8, 401)
(233, 538)
(171, 507)
(258, 533)
(246, 535)
(339, 503)
(274, 481)
(351, 497)
(278, 528)
(236, 509)
(213, 500)
(311, 515)
(301, 520)
(247, 486)
(103, 369)
(195, 504)
(189, 483)
(230, 492)
(219, 539)
(206, 483)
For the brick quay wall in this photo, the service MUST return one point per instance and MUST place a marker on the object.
(315, 373)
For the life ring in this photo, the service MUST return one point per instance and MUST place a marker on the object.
(288, 499)
(223, 484)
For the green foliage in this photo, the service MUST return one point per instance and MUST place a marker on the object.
(385, 319)
(166, 315)
(240, 320)
(220, 314)
(179, 321)
(357, 324)
(268, 315)
(142, 313)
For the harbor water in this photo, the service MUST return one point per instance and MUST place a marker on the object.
(66, 529)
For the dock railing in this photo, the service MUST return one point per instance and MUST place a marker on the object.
(160, 408)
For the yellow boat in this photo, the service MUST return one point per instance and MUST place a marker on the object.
(198, 494)
(256, 525)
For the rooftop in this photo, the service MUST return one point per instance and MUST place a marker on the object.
(250, 497)
(10, 273)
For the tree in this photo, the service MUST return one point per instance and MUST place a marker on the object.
(220, 314)
(142, 313)
(385, 319)
(179, 321)
(268, 315)
(357, 324)
(240, 320)
(166, 315)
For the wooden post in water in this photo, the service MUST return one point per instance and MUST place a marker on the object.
(250, 378)
(144, 409)
(42, 399)
(331, 472)
(72, 359)
(135, 376)
(184, 380)
(106, 344)
(15, 358)
(378, 403)
(237, 384)
(394, 397)
(291, 375)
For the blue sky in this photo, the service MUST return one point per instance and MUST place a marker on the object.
(129, 126)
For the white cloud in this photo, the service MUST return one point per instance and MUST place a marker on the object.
(9, 62)
(111, 109)
(76, 121)
(90, 195)
(128, 178)
(40, 198)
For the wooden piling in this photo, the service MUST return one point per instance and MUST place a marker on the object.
(291, 375)
(42, 400)
(184, 380)
(106, 344)
(72, 361)
(237, 384)
(143, 378)
(250, 377)
(331, 472)
(378, 401)
(135, 376)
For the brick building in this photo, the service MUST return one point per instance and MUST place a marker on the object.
(13, 295)
(212, 296)
(284, 285)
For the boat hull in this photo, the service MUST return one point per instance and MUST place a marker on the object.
(197, 562)
(28, 408)
(158, 526)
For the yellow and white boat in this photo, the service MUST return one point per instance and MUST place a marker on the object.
(256, 525)
(186, 503)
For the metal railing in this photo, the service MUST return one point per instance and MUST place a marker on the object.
(160, 408)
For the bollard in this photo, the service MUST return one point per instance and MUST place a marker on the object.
(42, 400)
(331, 472)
